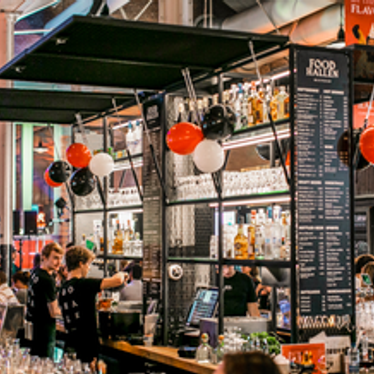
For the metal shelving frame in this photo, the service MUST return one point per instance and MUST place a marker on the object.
(105, 210)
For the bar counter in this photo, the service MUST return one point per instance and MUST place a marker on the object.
(164, 355)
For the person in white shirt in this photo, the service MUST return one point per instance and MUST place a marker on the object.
(6, 294)
(133, 291)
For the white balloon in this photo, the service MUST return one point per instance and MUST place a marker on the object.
(101, 164)
(208, 156)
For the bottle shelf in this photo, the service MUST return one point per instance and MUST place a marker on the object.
(231, 261)
(111, 209)
(127, 207)
(195, 260)
(133, 156)
(88, 211)
(255, 199)
(119, 257)
(260, 263)
(258, 134)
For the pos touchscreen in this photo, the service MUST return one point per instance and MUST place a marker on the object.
(204, 306)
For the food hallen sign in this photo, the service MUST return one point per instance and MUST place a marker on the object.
(359, 22)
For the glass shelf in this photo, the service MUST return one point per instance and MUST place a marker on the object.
(195, 260)
(119, 257)
(256, 199)
(258, 134)
(138, 207)
(134, 156)
(88, 211)
(263, 263)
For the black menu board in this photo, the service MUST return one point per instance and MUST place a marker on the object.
(322, 183)
(152, 202)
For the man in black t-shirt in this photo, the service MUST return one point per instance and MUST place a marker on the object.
(78, 303)
(239, 296)
(42, 306)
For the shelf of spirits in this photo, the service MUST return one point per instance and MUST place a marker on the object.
(259, 263)
(119, 257)
(194, 260)
(264, 198)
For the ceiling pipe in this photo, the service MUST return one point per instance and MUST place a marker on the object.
(281, 12)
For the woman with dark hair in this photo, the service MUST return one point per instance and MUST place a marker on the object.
(20, 285)
(247, 362)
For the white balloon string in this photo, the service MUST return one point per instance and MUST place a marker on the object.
(53, 142)
(78, 117)
(191, 92)
(369, 109)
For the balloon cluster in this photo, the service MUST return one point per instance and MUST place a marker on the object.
(185, 138)
(82, 181)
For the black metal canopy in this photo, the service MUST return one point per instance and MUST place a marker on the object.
(100, 51)
(58, 107)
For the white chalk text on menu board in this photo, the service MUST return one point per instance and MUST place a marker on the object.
(322, 184)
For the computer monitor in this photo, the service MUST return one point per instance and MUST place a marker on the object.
(204, 306)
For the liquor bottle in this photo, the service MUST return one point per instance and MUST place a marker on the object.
(129, 232)
(204, 353)
(274, 104)
(353, 360)
(242, 106)
(266, 104)
(138, 138)
(130, 138)
(259, 107)
(216, 99)
(252, 236)
(191, 112)
(268, 250)
(117, 247)
(219, 352)
(251, 105)
(276, 232)
(283, 103)
(283, 250)
(241, 242)
(236, 99)
(260, 234)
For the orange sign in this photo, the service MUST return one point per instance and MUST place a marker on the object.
(308, 357)
(359, 22)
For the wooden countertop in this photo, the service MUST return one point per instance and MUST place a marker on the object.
(164, 355)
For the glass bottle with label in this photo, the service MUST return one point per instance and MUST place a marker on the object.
(251, 105)
(260, 235)
(268, 250)
(219, 352)
(283, 103)
(266, 104)
(243, 107)
(284, 249)
(274, 104)
(204, 353)
(259, 107)
(276, 232)
(241, 242)
(117, 247)
(252, 236)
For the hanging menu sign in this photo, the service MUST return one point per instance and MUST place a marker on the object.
(152, 201)
(322, 184)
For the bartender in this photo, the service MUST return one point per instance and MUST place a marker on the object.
(239, 294)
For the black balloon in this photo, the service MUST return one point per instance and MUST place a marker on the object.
(59, 171)
(219, 122)
(82, 182)
(342, 149)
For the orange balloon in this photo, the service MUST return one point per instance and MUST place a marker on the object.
(78, 155)
(49, 181)
(367, 144)
(183, 138)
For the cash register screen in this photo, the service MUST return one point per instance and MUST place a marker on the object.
(204, 306)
